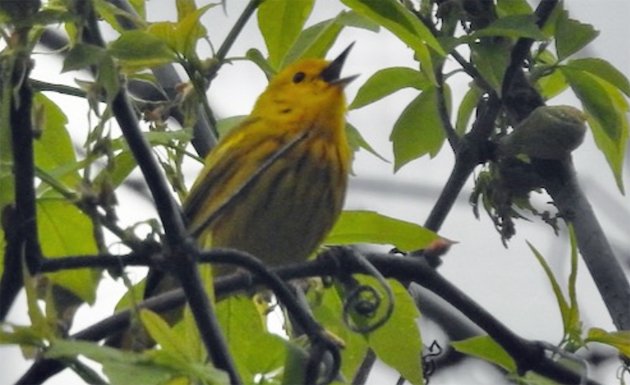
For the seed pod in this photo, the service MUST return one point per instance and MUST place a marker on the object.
(549, 132)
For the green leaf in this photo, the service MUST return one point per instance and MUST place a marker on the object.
(603, 70)
(606, 109)
(24, 336)
(64, 231)
(227, 124)
(572, 35)
(162, 333)
(564, 307)
(371, 227)
(280, 22)
(184, 8)
(387, 81)
(418, 131)
(39, 323)
(113, 15)
(487, 349)
(109, 77)
(121, 367)
(140, 7)
(189, 28)
(513, 7)
(398, 342)
(596, 100)
(392, 15)
(53, 149)
(466, 108)
(491, 60)
(182, 36)
(316, 40)
(552, 85)
(254, 349)
(140, 49)
(294, 371)
(514, 26)
(327, 307)
(256, 57)
(82, 56)
(356, 141)
(124, 373)
(573, 325)
(65, 348)
(122, 165)
(620, 340)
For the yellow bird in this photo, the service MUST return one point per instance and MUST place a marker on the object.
(275, 185)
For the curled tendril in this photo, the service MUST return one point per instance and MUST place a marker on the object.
(428, 360)
(363, 302)
(623, 371)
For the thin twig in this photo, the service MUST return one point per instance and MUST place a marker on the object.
(231, 37)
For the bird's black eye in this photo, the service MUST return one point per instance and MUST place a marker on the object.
(298, 77)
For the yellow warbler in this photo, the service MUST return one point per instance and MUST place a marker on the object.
(275, 185)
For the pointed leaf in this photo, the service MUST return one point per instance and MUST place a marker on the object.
(280, 22)
(513, 7)
(487, 349)
(511, 26)
(393, 15)
(574, 325)
(557, 291)
(162, 333)
(227, 124)
(552, 85)
(140, 49)
(53, 149)
(617, 339)
(64, 231)
(189, 29)
(371, 227)
(254, 349)
(606, 110)
(603, 70)
(398, 342)
(82, 56)
(387, 81)
(466, 108)
(327, 307)
(316, 40)
(418, 131)
(356, 141)
(572, 35)
(491, 60)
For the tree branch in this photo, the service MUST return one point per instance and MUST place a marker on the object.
(561, 183)
(527, 354)
(181, 251)
(23, 241)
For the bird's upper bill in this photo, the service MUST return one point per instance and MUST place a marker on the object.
(331, 73)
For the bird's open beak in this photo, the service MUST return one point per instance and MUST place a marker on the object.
(331, 73)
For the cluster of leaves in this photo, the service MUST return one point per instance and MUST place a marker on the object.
(76, 196)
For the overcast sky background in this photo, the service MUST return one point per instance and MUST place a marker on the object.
(507, 282)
